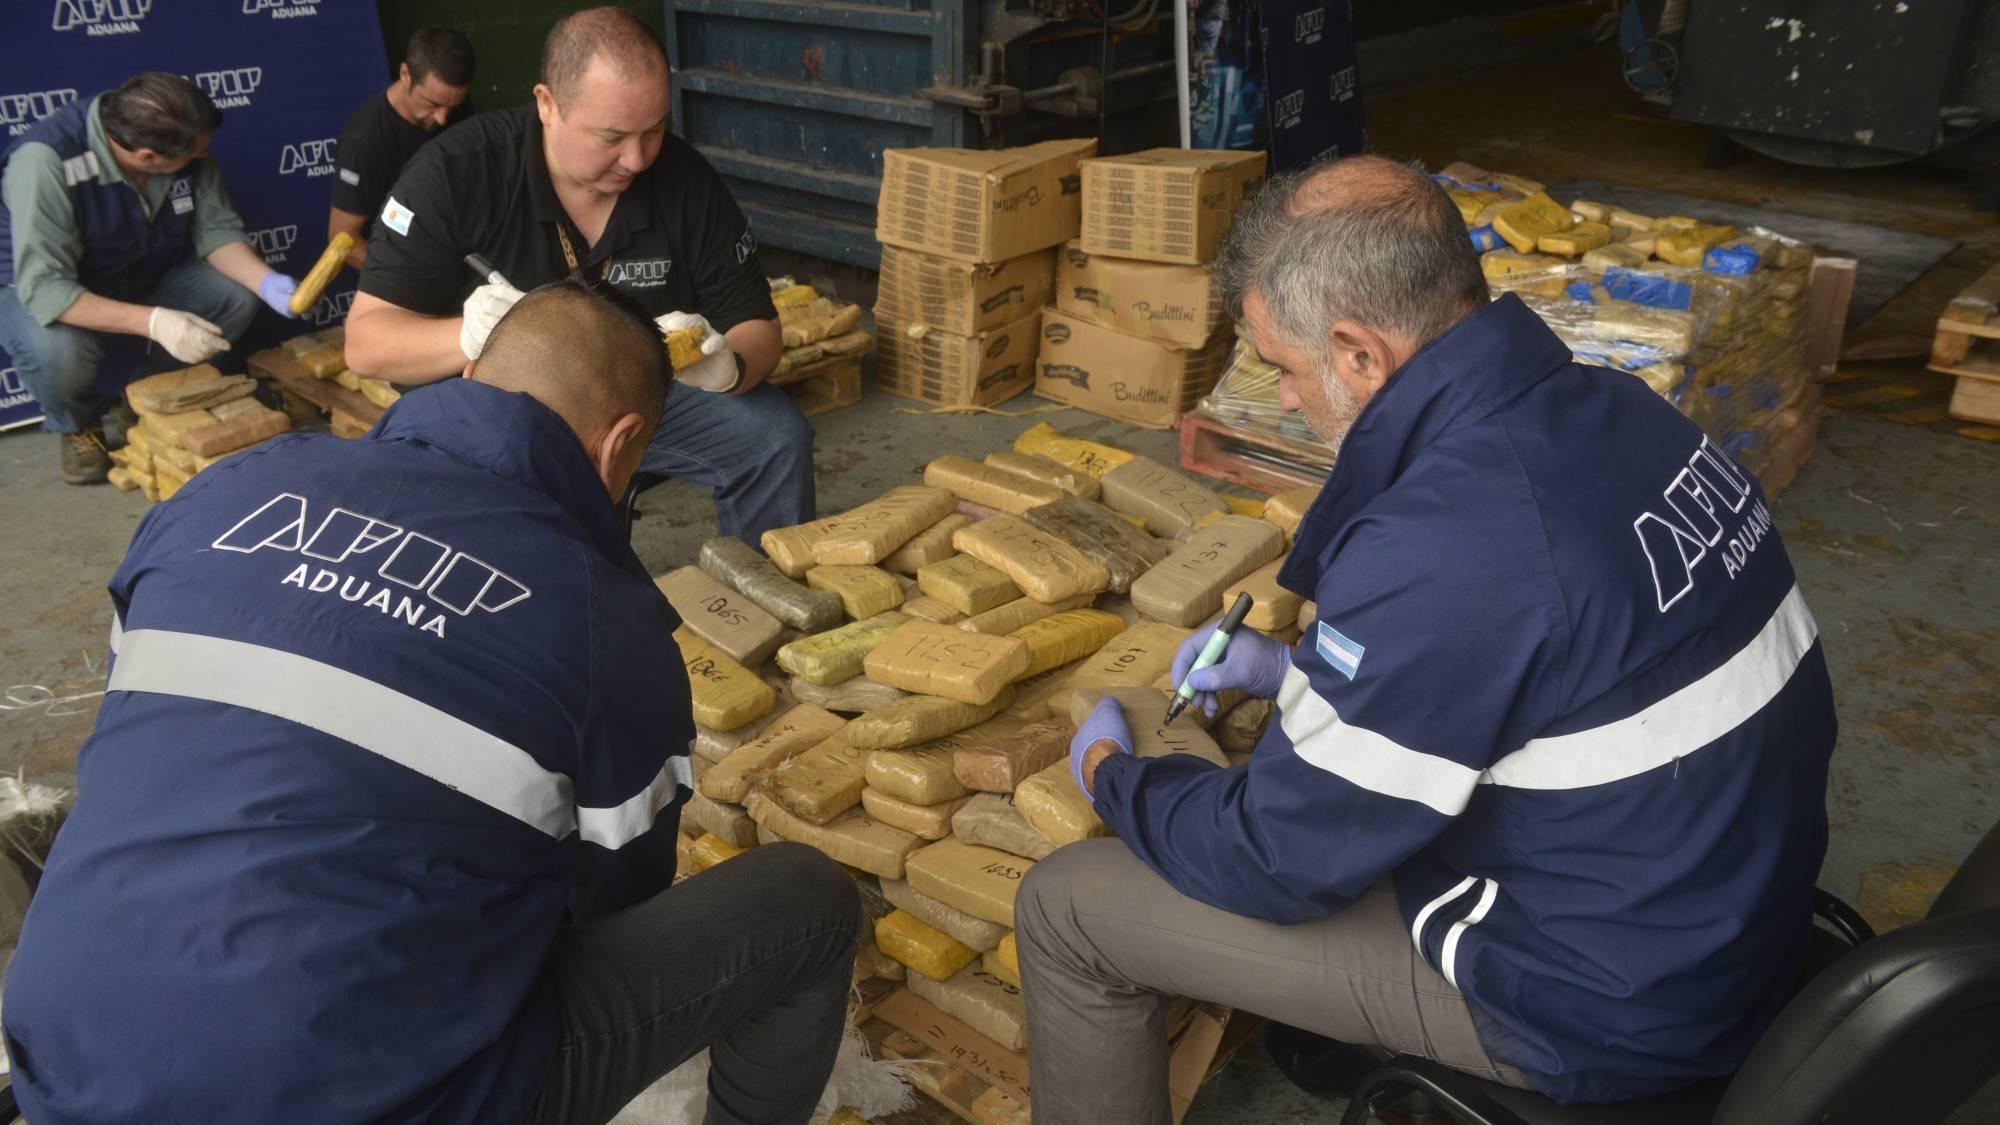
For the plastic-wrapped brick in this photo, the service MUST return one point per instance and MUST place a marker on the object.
(721, 616)
(797, 731)
(916, 719)
(725, 694)
(1102, 536)
(929, 952)
(975, 932)
(1055, 641)
(1071, 482)
(1053, 805)
(864, 591)
(836, 655)
(1187, 587)
(1004, 619)
(981, 1001)
(980, 881)
(926, 822)
(853, 696)
(990, 820)
(820, 784)
(999, 760)
(933, 544)
(1144, 709)
(985, 484)
(853, 838)
(1168, 501)
(1272, 607)
(1042, 565)
(737, 565)
(940, 660)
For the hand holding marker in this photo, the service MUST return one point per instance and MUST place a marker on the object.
(1211, 653)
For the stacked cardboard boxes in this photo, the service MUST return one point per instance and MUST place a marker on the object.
(1137, 331)
(967, 265)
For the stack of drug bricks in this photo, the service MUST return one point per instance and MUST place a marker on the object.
(967, 264)
(311, 372)
(1712, 318)
(1137, 332)
(897, 686)
(188, 420)
(823, 342)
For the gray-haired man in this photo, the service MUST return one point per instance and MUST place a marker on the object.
(1544, 796)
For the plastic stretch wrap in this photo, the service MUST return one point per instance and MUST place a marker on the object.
(996, 757)
(920, 718)
(990, 820)
(975, 932)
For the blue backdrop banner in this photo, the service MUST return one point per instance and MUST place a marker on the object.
(286, 74)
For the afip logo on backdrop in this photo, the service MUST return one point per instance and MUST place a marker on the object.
(275, 243)
(20, 111)
(331, 309)
(281, 9)
(13, 392)
(314, 158)
(1308, 27)
(230, 89)
(101, 17)
(1289, 110)
(1342, 84)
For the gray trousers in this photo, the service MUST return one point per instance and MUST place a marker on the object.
(1103, 942)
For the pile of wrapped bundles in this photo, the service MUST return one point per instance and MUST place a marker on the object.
(188, 420)
(897, 685)
(323, 356)
(814, 327)
(1711, 317)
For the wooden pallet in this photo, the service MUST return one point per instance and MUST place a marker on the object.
(1253, 460)
(350, 410)
(1967, 346)
(824, 384)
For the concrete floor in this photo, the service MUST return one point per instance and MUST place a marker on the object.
(1894, 529)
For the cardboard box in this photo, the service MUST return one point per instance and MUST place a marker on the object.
(965, 298)
(981, 205)
(947, 369)
(1105, 371)
(1165, 204)
(1157, 300)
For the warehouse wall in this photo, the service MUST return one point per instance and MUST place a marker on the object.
(507, 34)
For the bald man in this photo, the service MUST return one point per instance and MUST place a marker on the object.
(377, 820)
(1544, 794)
(590, 179)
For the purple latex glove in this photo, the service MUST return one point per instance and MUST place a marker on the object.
(1255, 665)
(1105, 724)
(276, 291)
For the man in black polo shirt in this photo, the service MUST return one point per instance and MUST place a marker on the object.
(387, 129)
(589, 178)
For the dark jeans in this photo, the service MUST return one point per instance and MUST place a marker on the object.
(754, 449)
(752, 959)
(59, 362)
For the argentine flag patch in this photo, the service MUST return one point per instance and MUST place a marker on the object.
(397, 217)
(1344, 655)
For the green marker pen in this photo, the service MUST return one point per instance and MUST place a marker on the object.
(1211, 653)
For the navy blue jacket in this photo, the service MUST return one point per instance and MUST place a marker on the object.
(381, 715)
(125, 253)
(1564, 687)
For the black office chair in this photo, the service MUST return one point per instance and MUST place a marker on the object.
(1900, 1028)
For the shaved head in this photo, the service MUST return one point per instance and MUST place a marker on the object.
(612, 36)
(583, 350)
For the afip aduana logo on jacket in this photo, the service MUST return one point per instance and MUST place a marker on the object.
(405, 582)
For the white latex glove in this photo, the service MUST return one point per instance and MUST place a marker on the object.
(716, 370)
(186, 336)
(483, 310)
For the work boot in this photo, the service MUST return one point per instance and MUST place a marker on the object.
(83, 458)
(117, 420)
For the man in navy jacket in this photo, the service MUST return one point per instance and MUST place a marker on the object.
(377, 820)
(1543, 797)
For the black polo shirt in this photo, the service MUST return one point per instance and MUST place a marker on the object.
(374, 145)
(676, 241)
